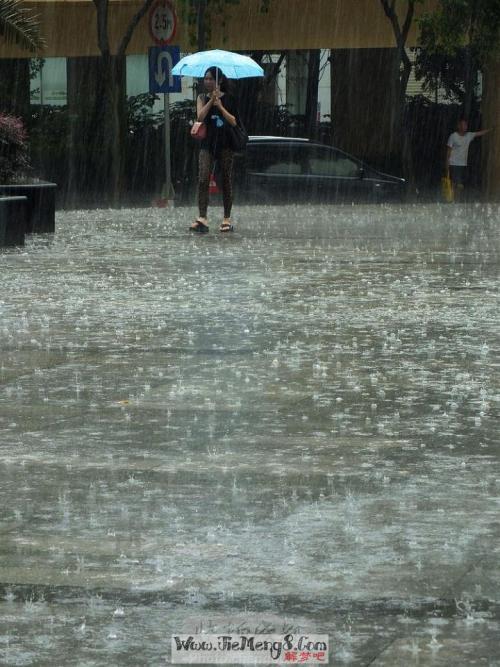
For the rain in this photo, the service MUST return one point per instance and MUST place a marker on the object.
(291, 428)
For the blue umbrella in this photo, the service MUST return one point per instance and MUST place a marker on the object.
(233, 65)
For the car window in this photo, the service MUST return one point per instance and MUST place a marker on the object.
(328, 162)
(272, 159)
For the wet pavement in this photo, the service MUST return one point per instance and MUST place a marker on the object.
(289, 428)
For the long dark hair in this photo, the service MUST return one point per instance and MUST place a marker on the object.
(221, 78)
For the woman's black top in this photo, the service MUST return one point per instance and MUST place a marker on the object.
(217, 126)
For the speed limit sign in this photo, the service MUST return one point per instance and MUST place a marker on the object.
(162, 22)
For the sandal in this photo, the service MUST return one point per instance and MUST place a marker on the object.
(199, 226)
(226, 226)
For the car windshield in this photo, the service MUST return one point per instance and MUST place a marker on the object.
(276, 159)
(294, 160)
(328, 162)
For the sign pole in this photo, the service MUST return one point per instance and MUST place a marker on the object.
(162, 58)
(169, 189)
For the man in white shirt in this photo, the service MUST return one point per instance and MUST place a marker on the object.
(457, 154)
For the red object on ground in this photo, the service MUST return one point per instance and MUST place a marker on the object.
(212, 186)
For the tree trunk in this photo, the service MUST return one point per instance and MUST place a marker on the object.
(470, 76)
(256, 96)
(108, 140)
(491, 142)
(201, 25)
(399, 133)
(365, 97)
(15, 86)
(470, 65)
(96, 100)
(312, 93)
(83, 74)
(201, 36)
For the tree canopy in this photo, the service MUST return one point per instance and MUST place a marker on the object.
(19, 25)
(200, 14)
(458, 39)
(458, 24)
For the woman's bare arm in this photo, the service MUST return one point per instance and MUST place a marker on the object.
(203, 109)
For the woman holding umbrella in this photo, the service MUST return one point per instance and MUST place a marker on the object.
(217, 109)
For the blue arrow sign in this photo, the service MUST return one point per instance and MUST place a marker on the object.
(161, 61)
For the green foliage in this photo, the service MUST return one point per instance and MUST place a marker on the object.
(184, 110)
(36, 66)
(214, 10)
(443, 72)
(49, 131)
(139, 111)
(459, 24)
(458, 38)
(19, 25)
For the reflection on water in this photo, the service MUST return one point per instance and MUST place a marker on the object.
(294, 426)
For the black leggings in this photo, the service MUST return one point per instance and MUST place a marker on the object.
(206, 165)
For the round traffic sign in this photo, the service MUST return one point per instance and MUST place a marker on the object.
(162, 22)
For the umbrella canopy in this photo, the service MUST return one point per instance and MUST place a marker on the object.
(233, 65)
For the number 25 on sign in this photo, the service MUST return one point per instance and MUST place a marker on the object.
(162, 22)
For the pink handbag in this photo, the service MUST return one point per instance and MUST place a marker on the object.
(199, 131)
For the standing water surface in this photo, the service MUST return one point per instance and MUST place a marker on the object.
(292, 427)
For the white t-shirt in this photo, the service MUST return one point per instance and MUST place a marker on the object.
(459, 145)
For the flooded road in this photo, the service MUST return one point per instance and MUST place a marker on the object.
(292, 427)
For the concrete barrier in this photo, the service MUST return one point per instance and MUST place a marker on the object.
(13, 220)
(41, 204)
